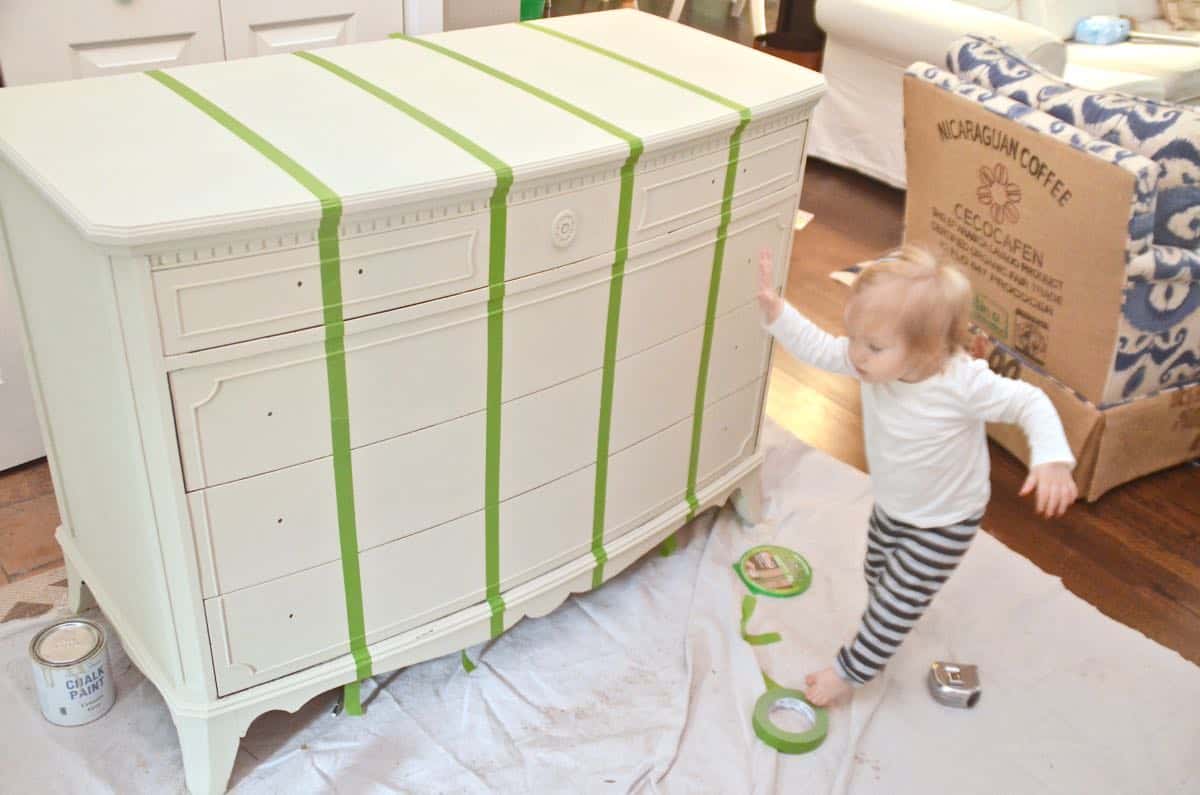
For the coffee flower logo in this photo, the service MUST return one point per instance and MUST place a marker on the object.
(996, 191)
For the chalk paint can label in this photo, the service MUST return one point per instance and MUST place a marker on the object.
(70, 666)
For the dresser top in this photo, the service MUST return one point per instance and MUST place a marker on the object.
(132, 162)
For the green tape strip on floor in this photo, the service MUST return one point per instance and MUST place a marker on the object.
(748, 604)
(335, 369)
(497, 246)
(714, 286)
(616, 283)
(769, 682)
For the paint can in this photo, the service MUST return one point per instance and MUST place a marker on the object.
(70, 666)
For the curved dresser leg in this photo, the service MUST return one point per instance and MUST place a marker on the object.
(748, 499)
(79, 597)
(209, 746)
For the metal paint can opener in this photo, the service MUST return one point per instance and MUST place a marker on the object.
(954, 684)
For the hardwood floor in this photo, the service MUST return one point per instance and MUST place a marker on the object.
(28, 518)
(1134, 554)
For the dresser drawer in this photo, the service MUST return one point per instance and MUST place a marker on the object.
(253, 530)
(421, 366)
(244, 293)
(261, 287)
(544, 529)
(289, 623)
(262, 633)
(671, 198)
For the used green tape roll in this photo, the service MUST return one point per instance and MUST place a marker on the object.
(774, 571)
(785, 741)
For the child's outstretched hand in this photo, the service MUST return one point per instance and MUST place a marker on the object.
(1055, 488)
(768, 299)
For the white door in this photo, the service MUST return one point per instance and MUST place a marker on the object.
(263, 27)
(20, 439)
(45, 40)
(423, 16)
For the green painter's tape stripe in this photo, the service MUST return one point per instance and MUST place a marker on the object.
(714, 286)
(516, 82)
(616, 283)
(615, 288)
(329, 200)
(498, 234)
(495, 325)
(352, 697)
(670, 78)
(335, 368)
(502, 169)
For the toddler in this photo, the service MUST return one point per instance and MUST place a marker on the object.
(924, 404)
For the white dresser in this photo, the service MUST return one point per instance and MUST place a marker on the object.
(351, 359)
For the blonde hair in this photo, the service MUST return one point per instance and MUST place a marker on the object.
(933, 298)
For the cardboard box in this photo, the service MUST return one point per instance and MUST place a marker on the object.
(1038, 226)
(1111, 446)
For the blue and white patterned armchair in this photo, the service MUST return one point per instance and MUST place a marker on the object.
(1158, 343)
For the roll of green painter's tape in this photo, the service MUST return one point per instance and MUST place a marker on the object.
(785, 741)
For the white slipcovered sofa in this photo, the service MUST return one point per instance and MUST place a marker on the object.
(869, 44)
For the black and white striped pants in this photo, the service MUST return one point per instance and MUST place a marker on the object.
(905, 567)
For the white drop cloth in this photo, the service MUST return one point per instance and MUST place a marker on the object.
(646, 686)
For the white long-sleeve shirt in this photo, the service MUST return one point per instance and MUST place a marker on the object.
(926, 442)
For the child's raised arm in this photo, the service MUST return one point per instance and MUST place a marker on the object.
(799, 335)
(768, 299)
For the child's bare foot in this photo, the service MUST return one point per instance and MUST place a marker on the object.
(826, 688)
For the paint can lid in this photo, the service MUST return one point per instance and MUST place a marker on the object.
(66, 643)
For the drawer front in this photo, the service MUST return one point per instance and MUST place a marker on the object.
(262, 633)
(672, 198)
(546, 528)
(265, 412)
(666, 290)
(652, 392)
(546, 233)
(422, 366)
(253, 530)
(242, 296)
(260, 288)
(293, 622)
